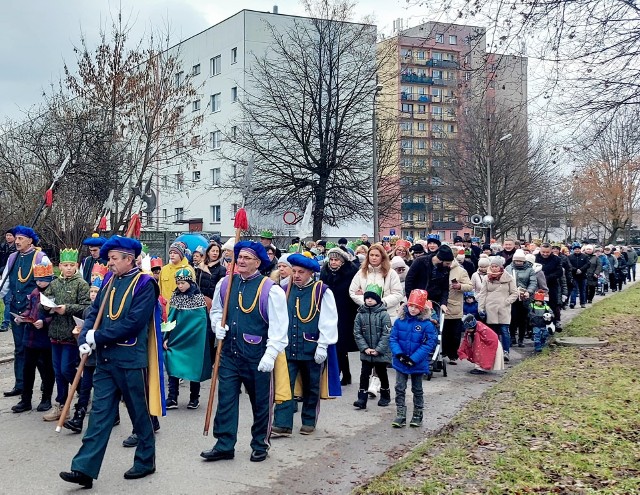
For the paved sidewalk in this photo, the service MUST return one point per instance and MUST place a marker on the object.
(6, 346)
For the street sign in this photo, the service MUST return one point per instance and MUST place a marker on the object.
(392, 231)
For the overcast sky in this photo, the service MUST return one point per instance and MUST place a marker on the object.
(38, 35)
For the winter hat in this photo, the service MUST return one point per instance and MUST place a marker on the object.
(283, 259)
(483, 261)
(496, 260)
(460, 255)
(184, 275)
(338, 253)
(469, 321)
(374, 292)
(531, 258)
(519, 255)
(228, 246)
(417, 249)
(445, 253)
(398, 262)
(199, 250)
(178, 248)
(342, 241)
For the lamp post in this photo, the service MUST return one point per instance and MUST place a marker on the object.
(374, 150)
(488, 219)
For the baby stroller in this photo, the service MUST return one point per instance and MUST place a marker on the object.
(602, 281)
(437, 359)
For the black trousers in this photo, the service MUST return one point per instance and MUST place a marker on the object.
(343, 364)
(519, 319)
(451, 334)
(381, 371)
(591, 292)
(39, 359)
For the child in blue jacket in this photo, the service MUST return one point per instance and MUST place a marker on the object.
(412, 342)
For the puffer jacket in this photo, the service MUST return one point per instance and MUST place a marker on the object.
(207, 277)
(496, 297)
(73, 292)
(371, 331)
(392, 294)
(524, 276)
(415, 336)
(454, 303)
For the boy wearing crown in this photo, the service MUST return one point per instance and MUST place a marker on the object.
(540, 315)
(71, 296)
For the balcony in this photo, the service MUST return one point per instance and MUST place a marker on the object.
(415, 207)
(411, 97)
(443, 64)
(444, 81)
(416, 79)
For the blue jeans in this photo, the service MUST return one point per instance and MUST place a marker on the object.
(503, 334)
(65, 361)
(539, 338)
(579, 287)
(6, 318)
(416, 389)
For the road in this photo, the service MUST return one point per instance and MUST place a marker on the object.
(348, 447)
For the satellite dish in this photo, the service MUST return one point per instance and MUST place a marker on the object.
(476, 219)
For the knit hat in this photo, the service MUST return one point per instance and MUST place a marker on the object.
(338, 253)
(496, 260)
(374, 292)
(417, 249)
(178, 248)
(531, 258)
(398, 262)
(184, 274)
(228, 246)
(434, 238)
(483, 262)
(445, 253)
(519, 255)
(342, 241)
(469, 321)
(283, 259)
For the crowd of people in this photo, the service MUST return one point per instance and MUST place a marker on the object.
(278, 325)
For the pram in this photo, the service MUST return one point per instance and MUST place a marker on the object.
(602, 281)
(437, 359)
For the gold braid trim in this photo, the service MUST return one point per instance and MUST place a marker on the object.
(124, 298)
(255, 301)
(22, 279)
(313, 310)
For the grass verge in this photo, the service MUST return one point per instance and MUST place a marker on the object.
(566, 421)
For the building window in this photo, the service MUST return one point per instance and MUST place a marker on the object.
(216, 139)
(234, 131)
(195, 70)
(179, 213)
(453, 40)
(421, 54)
(436, 56)
(196, 106)
(164, 214)
(195, 176)
(178, 78)
(422, 144)
(439, 38)
(467, 76)
(407, 107)
(215, 214)
(234, 94)
(215, 103)
(234, 209)
(406, 144)
(179, 181)
(405, 52)
(234, 170)
(215, 64)
(234, 55)
(441, 234)
(215, 176)
(454, 234)
(422, 126)
(422, 108)
(164, 181)
(406, 126)
(437, 145)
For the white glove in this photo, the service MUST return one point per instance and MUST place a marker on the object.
(268, 360)
(90, 338)
(321, 354)
(84, 349)
(221, 331)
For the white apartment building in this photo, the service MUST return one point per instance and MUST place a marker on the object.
(219, 58)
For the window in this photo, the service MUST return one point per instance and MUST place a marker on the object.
(454, 234)
(234, 172)
(164, 181)
(437, 145)
(467, 76)
(436, 93)
(439, 38)
(405, 52)
(178, 78)
(421, 54)
(216, 138)
(436, 181)
(407, 107)
(406, 126)
(441, 234)
(179, 213)
(195, 176)
(215, 103)
(164, 214)
(436, 56)
(438, 216)
(422, 126)
(420, 198)
(215, 214)
(196, 106)
(407, 216)
(234, 131)
(195, 141)
(195, 70)
(234, 94)
(422, 144)
(437, 128)
(215, 64)
(234, 55)
(422, 217)
(215, 176)
(451, 128)
(453, 40)
(179, 181)
(422, 108)
(234, 209)
(437, 74)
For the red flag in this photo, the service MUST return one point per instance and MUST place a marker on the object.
(135, 226)
(48, 198)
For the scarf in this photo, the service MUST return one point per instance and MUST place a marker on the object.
(494, 277)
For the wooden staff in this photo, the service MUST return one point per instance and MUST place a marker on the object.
(240, 223)
(83, 361)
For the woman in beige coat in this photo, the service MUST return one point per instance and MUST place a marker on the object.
(497, 293)
(459, 283)
(376, 269)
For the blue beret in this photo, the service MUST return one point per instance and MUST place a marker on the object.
(122, 244)
(94, 241)
(301, 260)
(26, 232)
(256, 248)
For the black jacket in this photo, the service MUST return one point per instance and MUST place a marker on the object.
(423, 274)
(5, 250)
(579, 262)
(339, 281)
(207, 280)
(552, 269)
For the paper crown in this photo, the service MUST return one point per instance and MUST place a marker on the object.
(375, 288)
(98, 271)
(156, 262)
(266, 234)
(43, 270)
(145, 248)
(183, 275)
(419, 298)
(69, 256)
(96, 283)
(401, 243)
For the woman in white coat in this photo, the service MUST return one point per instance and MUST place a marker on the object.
(376, 269)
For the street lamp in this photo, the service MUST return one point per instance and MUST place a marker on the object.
(374, 150)
(488, 219)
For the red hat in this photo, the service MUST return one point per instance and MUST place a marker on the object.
(403, 244)
(99, 271)
(419, 298)
(539, 295)
(156, 262)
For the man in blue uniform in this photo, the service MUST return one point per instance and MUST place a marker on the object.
(121, 342)
(19, 283)
(95, 242)
(313, 326)
(254, 334)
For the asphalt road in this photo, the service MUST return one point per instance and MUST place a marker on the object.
(348, 447)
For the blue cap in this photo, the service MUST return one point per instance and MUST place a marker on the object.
(125, 245)
(576, 245)
(301, 260)
(256, 249)
(26, 232)
(94, 241)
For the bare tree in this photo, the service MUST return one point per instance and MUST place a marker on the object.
(307, 113)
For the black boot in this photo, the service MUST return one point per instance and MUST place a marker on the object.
(22, 406)
(45, 404)
(401, 417)
(361, 403)
(416, 419)
(75, 424)
(385, 397)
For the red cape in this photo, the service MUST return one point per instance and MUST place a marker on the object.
(479, 346)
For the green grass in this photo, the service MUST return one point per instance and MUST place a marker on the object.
(566, 421)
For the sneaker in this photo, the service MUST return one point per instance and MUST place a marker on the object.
(277, 432)
(583, 306)
(307, 429)
(193, 404)
(4, 327)
(55, 413)
(506, 356)
(172, 404)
